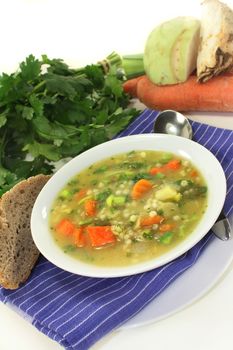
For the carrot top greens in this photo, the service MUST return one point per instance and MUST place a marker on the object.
(51, 112)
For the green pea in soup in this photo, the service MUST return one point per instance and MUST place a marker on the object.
(128, 208)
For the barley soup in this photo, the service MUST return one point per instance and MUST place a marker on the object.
(129, 208)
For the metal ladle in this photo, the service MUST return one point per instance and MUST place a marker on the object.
(175, 123)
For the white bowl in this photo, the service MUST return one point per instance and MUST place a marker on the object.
(203, 159)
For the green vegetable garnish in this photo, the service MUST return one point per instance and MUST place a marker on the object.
(166, 157)
(140, 176)
(85, 222)
(166, 238)
(132, 165)
(160, 176)
(101, 169)
(148, 234)
(103, 195)
(115, 201)
(69, 248)
(160, 211)
(65, 194)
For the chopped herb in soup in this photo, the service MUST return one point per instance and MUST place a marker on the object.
(128, 208)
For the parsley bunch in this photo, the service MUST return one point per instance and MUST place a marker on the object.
(51, 112)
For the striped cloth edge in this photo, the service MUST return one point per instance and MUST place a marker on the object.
(77, 311)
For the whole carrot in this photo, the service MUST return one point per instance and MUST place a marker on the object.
(214, 95)
(130, 86)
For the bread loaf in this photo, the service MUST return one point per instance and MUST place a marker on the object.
(18, 253)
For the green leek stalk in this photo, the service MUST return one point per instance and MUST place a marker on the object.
(131, 66)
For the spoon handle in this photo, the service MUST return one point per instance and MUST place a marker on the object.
(222, 228)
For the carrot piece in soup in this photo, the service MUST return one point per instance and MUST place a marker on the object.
(90, 207)
(173, 164)
(156, 170)
(65, 227)
(140, 188)
(100, 235)
(149, 221)
(193, 173)
(80, 194)
(166, 227)
(79, 238)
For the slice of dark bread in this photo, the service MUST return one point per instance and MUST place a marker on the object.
(18, 252)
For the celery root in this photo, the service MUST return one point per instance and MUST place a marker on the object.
(216, 48)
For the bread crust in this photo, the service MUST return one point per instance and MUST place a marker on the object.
(9, 285)
(18, 252)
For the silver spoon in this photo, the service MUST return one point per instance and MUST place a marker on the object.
(175, 123)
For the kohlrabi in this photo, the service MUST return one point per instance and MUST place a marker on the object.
(171, 49)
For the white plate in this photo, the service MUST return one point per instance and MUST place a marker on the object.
(190, 286)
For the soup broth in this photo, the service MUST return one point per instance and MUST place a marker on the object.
(129, 208)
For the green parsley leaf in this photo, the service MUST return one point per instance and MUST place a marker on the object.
(37, 105)
(49, 111)
(42, 149)
(30, 69)
(27, 112)
(3, 119)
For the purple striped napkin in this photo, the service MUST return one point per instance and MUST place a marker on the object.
(77, 311)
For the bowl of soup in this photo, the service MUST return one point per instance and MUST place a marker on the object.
(128, 205)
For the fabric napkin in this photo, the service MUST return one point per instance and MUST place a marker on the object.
(77, 311)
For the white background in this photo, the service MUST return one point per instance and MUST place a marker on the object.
(81, 32)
